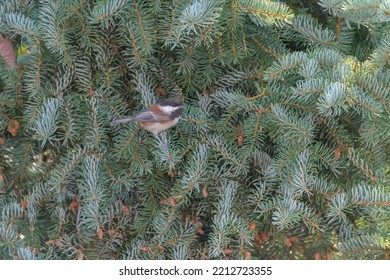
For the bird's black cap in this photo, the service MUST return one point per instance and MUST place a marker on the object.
(173, 101)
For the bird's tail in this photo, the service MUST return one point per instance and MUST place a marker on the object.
(123, 120)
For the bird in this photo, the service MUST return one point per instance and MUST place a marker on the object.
(157, 117)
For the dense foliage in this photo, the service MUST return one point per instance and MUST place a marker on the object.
(282, 151)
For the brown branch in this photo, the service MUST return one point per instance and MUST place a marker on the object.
(135, 46)
(365, 105)
(338, 28)
(70, 168)
(195, 121)
(385, 203)
(264, 13)
(144, 37)
(264, 48)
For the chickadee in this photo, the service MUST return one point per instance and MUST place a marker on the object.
(158, 117)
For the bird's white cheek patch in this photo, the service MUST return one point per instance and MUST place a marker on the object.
(167, 109)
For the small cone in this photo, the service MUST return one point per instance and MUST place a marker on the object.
(7, 51)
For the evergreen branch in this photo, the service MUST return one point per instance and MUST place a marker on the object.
(111, 105)
(110, 172)
(370, 135)
(332, 102)
(199, 15)
(242, 230)
(219, 145)
(259, 95)
(127, 146)
(306, 30)
(180, 252)
(83, 75)
(25, 254)
(338, 28)
(11, 213)
(360, 163)
(289, 126)
(266, 49)
(54, 32)
(360, 10)
(172, 20)
(110, 244)
(231, 78)
(367, 195)
(104, 10)
(300, 106)
(33, 109)
(285, 120)
(256, 129)
(144, 87)
(326, 156)
(334, 7)
(370, 203)
(95, 121)
(25, 163)
(339, 206)
(18, 88)
(8, 119)
(286, 216)
(195, 121)
(129, 141)
(166, 154)
(366, 105)
(68, 130)
(21, 24)
(39, 193)
(267, 206)
(76, 11)
(137, 12)
(140, 34)
(375, 88)
(194, 173)
(301, 178)
(219, 237)
(384, 11)
(63, 80)
(45, 125)
(310, 86)
(9, 237)
(309, 69)
(335, 134)
(361, 244)
(167, 223)
(287, 62)
(267, 12)
(325, 188)
(311, 222)
(61, 174)
(328, 58)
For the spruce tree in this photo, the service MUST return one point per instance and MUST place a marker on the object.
(282, 151)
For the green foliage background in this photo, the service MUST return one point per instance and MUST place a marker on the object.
(282, 152)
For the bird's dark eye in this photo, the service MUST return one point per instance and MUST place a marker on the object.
(175, 114)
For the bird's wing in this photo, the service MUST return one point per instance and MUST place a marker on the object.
(153, 114)
(123, 120)
(148, 116)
